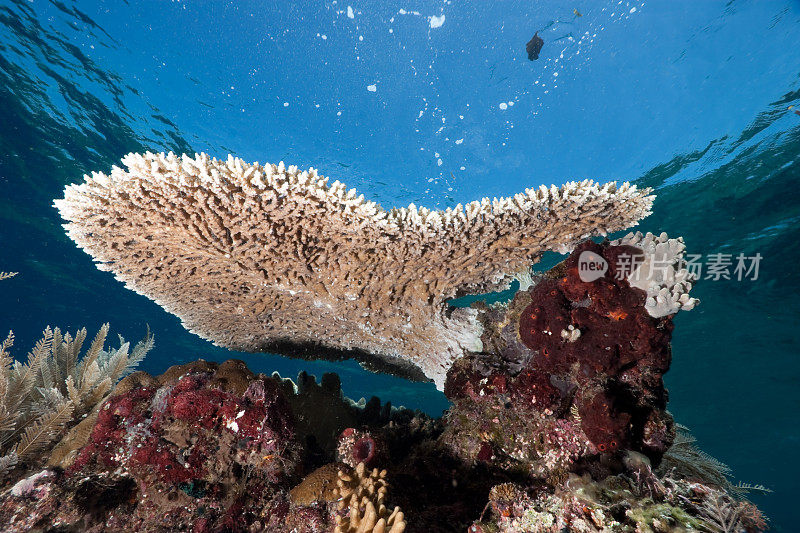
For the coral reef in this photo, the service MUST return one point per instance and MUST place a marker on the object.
(206, 447)
(186, 432)
(55, 389)
(574, 370)
(269, 258)
(196, 446)
(559, 424)
(615, 504)
(209, 447)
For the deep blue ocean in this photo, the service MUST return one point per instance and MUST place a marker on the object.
(437, 103)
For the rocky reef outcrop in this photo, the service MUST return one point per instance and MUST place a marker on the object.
(573, 371)
(560, 424)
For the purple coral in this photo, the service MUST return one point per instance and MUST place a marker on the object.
(356, 447)
(32, 486)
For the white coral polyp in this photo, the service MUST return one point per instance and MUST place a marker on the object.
(662, 274)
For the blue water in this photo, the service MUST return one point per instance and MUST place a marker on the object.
(691, 98)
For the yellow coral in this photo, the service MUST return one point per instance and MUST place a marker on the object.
(362, 494)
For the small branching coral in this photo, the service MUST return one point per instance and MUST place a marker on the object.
(361, 496)
(54, 388)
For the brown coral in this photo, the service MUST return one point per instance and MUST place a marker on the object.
(362, 493)
(269, 258)
(319, 485)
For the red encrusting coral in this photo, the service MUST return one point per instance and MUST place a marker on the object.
(109, 432)
(607, 428)
(191, 435)
(616, 332)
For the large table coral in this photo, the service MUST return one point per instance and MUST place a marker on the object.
(271, 258)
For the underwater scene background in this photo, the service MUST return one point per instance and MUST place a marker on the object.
(436, 103)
